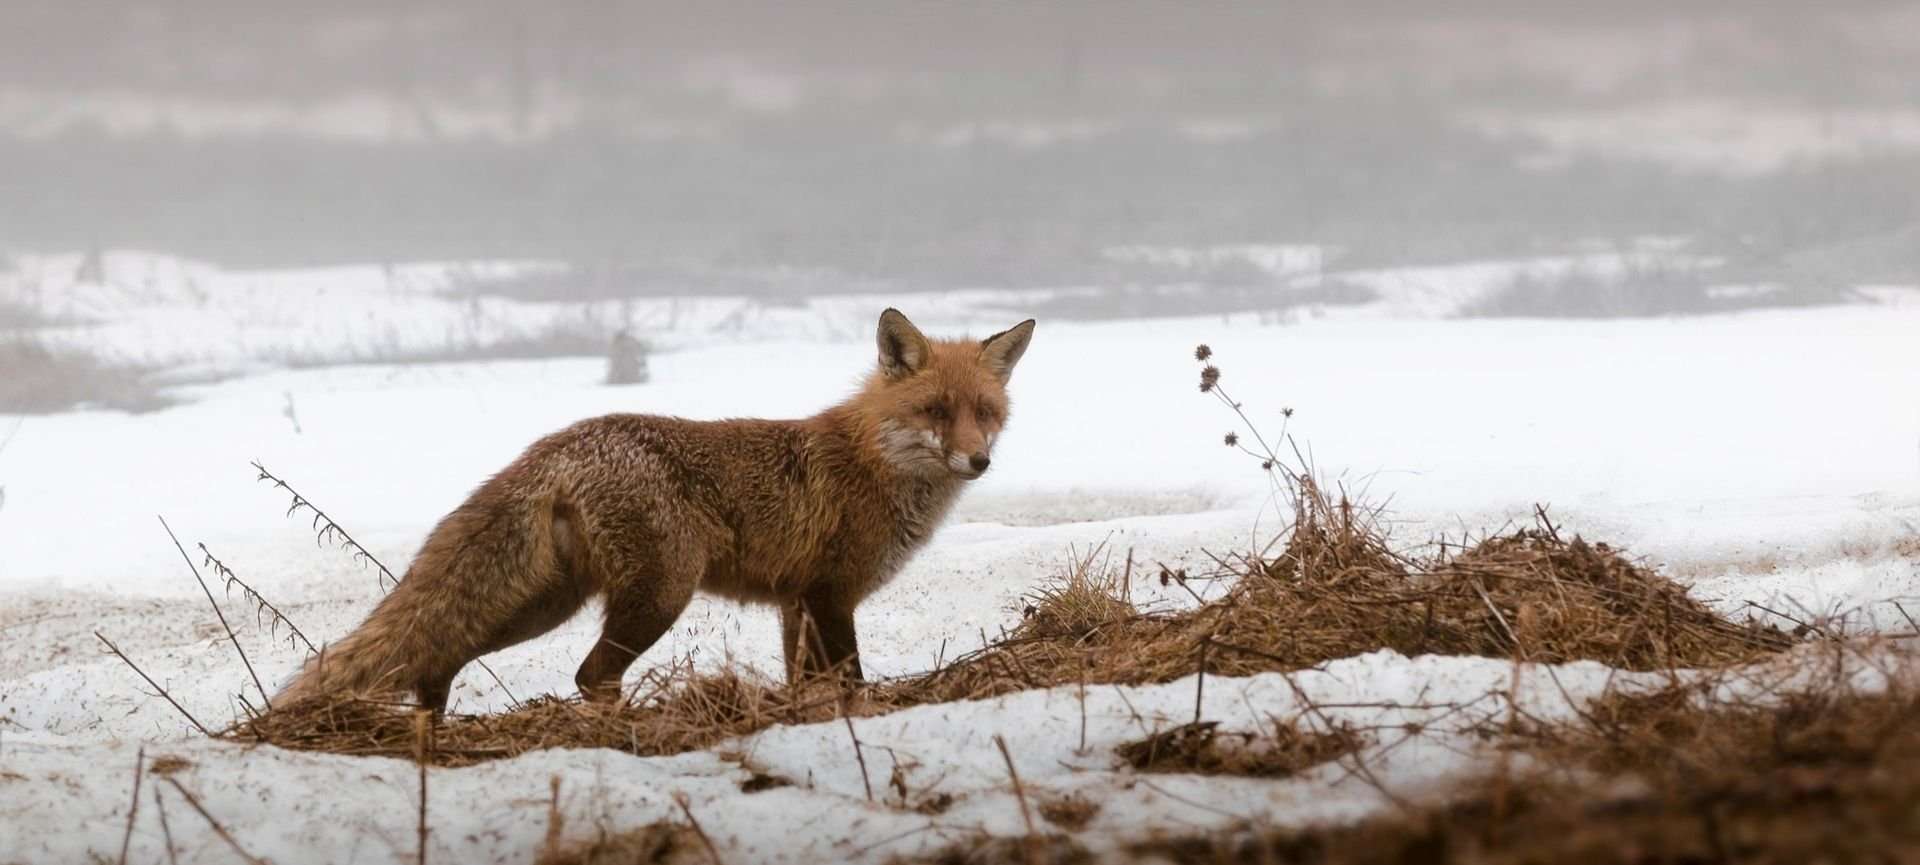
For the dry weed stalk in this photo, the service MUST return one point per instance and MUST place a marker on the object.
(262, 608)
(423, 749)
(713, 853)
(218, 829)
(231, 636)
(133, 810)
(166, 830)
(858, 755)
(326, 529)
(153, 684)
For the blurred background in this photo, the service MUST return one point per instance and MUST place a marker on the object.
(363, 181)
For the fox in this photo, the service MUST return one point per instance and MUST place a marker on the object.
(642, 511)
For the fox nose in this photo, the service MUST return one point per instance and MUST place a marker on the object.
(979, 462)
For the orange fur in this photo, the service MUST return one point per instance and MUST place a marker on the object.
(812, 515)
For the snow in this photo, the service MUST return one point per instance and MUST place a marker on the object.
(1769, 456)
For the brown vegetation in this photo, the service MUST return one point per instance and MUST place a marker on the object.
(1201, 748)
(1335, 591)
(43, 379)
(1826, 774)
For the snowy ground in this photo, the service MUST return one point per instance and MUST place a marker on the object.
(1767, 456)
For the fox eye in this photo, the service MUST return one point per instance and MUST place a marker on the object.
(937, 411)
(983, 414)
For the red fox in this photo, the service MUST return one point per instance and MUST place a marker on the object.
(812, 515)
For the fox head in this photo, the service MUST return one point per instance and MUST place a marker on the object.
(938, 405)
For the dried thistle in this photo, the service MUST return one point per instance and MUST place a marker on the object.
(1202, 353)
(1209, 377)
(1233, 439)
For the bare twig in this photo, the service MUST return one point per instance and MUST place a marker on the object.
(1200, 681)
(235, 639)
(1084, 663)
(156, 685)
(261, 606)
(133, 810)
(1512, 638)
(1019, 791)
(217, 828)
(1360, 766)
(556, 821)
(422, 749)
(712, 851)
(166, 831)
(857, 754)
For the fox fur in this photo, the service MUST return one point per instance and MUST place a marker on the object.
(811, 515)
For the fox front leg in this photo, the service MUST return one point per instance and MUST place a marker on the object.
(817, 638)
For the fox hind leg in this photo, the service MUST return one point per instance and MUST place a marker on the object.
(432, 692)
(642, 603)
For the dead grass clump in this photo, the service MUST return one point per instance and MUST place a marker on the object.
(1337, 590)
(1200, 748)
(1088, 598)
(674, 711)
(167, 764)
(1826, 774)
(1550, 599)
(1071, 812)
(654, 844)
(760, 782)
(1678, 737)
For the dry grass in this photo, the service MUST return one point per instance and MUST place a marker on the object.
(1822, 775)
(1200, 748)
(674, 711)
(1090, 595)
(167, 764)
(1335, 591)
(1818, 773)
(43, 379)
(1071, 812)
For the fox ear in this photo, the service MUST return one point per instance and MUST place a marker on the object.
(904, 350)
(1002, 350)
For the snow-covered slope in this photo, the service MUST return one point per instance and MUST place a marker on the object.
(1769, 456)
